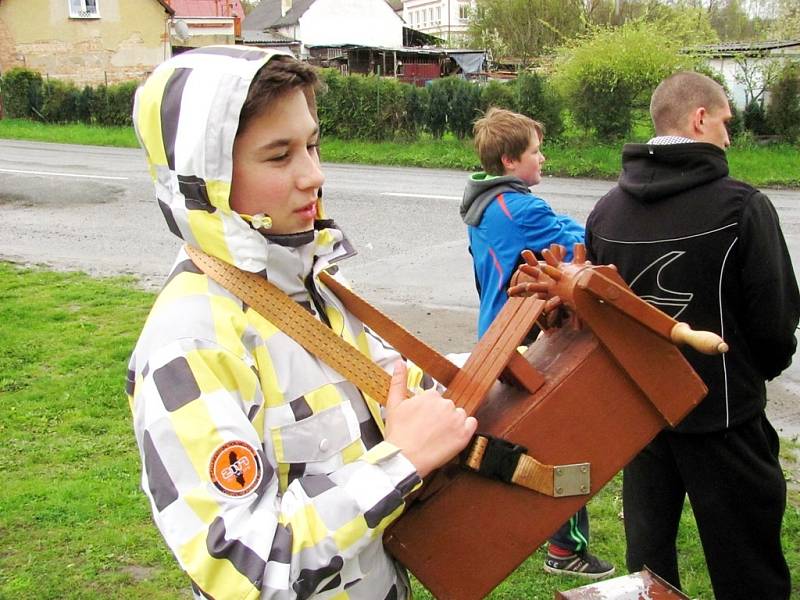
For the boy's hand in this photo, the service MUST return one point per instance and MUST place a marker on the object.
(427, 428)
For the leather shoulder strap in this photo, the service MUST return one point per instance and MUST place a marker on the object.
(429, 360)
(291, 318)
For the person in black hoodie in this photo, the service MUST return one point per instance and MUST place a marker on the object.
(707, 249)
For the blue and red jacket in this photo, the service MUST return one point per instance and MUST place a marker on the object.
(503, 219)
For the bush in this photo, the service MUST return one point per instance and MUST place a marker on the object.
(411, 121)
(26, 95)
(537, 99)
(60, 101)
(329, 102)
(22, 93)
(391, 107)
(465, 102)
(85, 104)
(436, 110)
(454, 104)
(498, 94)
(119, 104)
(736, 124)
(783, 112)
(370, 108)
(755, 119)
(605, 103)
(606, 75)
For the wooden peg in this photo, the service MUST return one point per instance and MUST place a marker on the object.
(706, 342)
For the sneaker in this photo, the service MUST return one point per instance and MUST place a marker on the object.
(582, 564)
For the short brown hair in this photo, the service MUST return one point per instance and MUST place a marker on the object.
(681, 94)
(501, 133)
(280, 75)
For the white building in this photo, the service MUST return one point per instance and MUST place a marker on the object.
(446, 19)
(328, 22)
(742, 64)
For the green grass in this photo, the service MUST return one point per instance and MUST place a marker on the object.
(70, 133)
(73, 521)
(575, 156)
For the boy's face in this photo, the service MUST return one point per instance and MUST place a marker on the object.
(528, 167)
(276, 165)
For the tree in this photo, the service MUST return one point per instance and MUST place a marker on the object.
(524, 29)
(731, 22)
(536, 98)
(607, 74)
(786, 25)
(686, 25)
(783, 112)
(755, 76)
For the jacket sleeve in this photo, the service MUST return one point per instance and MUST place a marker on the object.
(541, 226)
(198, 410)
(770, 294)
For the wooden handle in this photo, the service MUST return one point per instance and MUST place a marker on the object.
(702, 341)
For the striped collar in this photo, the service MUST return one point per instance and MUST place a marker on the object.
(663, 140)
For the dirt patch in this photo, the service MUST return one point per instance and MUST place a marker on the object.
(139, 573)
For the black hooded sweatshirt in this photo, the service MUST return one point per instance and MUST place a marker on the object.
(708, 250)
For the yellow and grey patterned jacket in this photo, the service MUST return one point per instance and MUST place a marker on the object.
(267, 472)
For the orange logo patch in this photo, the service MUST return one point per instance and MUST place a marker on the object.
(235, 468)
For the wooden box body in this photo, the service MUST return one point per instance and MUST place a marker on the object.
(465, 533)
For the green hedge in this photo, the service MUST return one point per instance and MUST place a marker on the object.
(26, 95)
(783, 113)
(22, 93)
(374, 108)
(377, 109)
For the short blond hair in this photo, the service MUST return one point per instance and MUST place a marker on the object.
(500, 133)
(681, 94)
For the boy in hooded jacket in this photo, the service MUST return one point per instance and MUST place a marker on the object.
(269, 474)
(504, 218)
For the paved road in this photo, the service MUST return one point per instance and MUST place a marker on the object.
(91, 209)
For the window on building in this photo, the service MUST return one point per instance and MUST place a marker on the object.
(463, 11)
(438, 14)
(84, 9)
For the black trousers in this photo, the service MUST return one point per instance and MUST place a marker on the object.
(738, 494)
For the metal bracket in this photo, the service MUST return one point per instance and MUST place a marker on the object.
(572, 480)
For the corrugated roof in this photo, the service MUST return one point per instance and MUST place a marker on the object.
(207, 8)
(745, 47)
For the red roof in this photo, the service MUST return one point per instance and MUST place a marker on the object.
(207, 8)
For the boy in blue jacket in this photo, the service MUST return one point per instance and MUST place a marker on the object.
(503, 219)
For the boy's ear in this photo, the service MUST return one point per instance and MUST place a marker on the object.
(508, 162)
